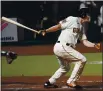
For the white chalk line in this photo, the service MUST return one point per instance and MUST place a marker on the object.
(91, 81)
(94, 62)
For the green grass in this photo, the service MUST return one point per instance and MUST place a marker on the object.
(45, 65)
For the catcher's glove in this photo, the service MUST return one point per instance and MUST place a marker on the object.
(97, 45)
(42, 32)
(10, 56)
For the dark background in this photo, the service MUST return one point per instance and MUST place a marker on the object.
(32, 13)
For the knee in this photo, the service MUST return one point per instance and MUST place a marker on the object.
(84, 59)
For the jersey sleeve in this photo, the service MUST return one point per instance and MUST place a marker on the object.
(83, 32)
(82, 36)
(64, 23)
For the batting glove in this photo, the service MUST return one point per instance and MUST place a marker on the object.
(97, 45)
(42, 32)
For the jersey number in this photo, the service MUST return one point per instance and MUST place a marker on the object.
(76, 30)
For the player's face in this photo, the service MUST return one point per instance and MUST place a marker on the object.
(86, 19)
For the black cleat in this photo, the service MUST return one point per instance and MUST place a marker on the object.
(49, 85)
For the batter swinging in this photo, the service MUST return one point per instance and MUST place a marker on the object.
(73, 28)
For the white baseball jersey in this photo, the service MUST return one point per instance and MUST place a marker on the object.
(71, 30)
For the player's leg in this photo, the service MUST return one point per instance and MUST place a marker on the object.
(80, 62)
(68, 54)
(71, 55)
(76, 73)
(64, 68)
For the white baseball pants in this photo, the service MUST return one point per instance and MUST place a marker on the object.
(65, 55)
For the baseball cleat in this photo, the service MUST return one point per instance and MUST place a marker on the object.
(49, 85)
(74, 86)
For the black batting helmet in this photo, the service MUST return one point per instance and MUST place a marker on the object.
(83, 12)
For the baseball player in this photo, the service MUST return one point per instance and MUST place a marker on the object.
(10, 56)
(72, 29)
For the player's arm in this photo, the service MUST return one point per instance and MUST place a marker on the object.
(83, 37)
(51, 29)
(88, 43)
(61, 25)
(54, 28)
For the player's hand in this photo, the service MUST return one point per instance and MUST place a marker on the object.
(97, 45)
(42, 32)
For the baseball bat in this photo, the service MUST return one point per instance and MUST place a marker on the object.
(18, 24)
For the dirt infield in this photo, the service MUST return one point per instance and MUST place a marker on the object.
(23, 83)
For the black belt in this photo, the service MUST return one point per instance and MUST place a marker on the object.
(66, 44)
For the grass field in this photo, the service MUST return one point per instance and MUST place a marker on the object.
(46, 65)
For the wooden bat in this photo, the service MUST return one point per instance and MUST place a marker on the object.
(18, 24)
